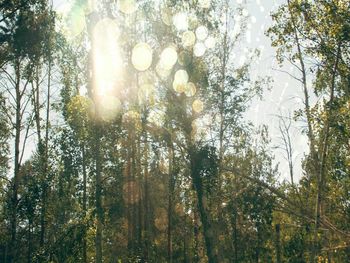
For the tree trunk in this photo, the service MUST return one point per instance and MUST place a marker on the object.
(170, 202)
(14, 201)
(278, 244)
(146, 203)
(84, 202)
(98, 198)
(203, 213)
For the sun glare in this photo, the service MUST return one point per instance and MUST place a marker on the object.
(107, 60)
(107, 67)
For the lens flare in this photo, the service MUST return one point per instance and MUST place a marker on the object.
(210, 42)
(127, 6)
(190, 89)
(197, 106)
(141, 56)
(181, 76)
(168, 58)
(188, 39)
(107, 59)
(180, 21)
(180, 81)
(199, 49)
(201, 32)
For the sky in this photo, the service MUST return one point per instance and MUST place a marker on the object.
(285, 95)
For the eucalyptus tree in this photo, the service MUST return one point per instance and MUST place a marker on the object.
(25, 28)
(313, 36)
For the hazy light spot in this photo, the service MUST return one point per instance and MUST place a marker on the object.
(190, 89)
(262, 9)
(210, 42)
(179, 87)
(180, 21)
(180, 80)
(204, 3)
(239, 1)
(199, 49)
(127, 6)
(181, 76)
(201, 32)
(141, 56)
(168, 58)
(188, 39)
(197, 106)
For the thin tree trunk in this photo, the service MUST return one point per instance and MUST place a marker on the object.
(84, 201)
(203, 213)
(278, 243)
(313, 151)
(170, 202)
(46, 160)
(235, 236)
(146, 203)
(98, 198)
(29, 254)
(14, 201)
(92, 19)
